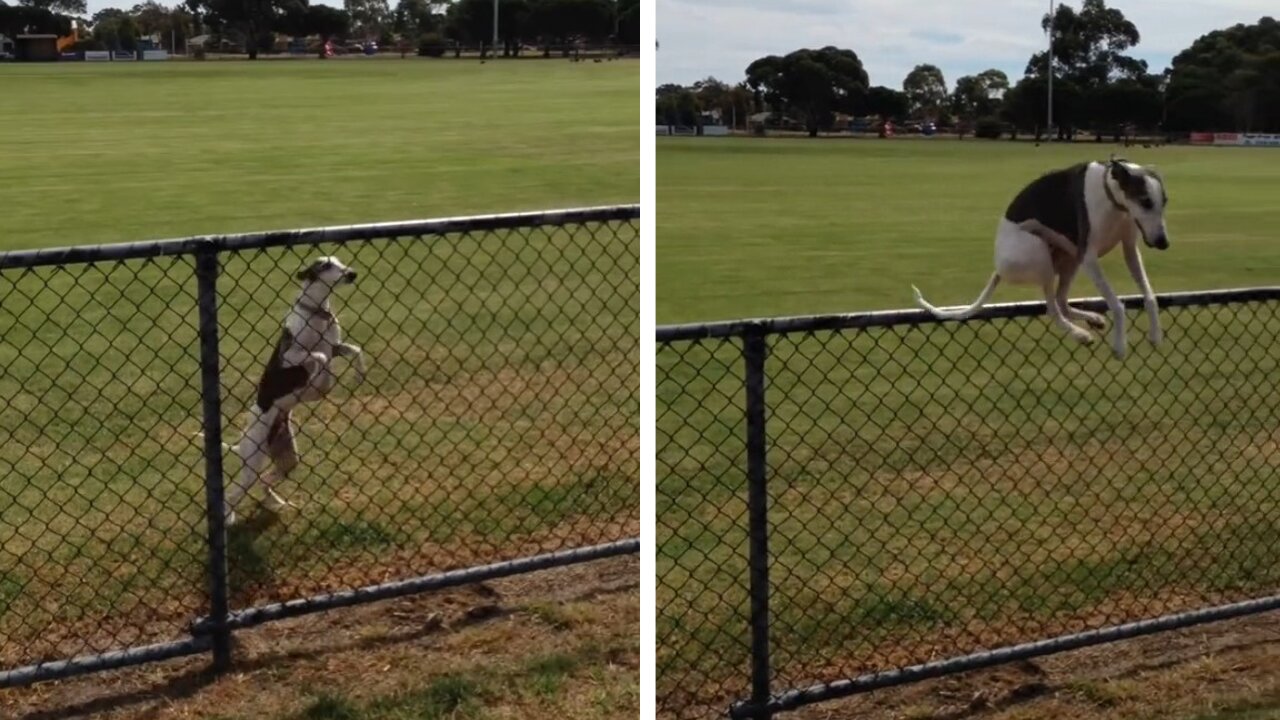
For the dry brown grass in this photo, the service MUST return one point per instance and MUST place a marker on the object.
(381, 650)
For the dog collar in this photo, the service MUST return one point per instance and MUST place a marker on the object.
(1106, 186)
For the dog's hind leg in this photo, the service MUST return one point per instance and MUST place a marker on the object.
(282, 446)
(1060, 318)
(1065, 275)
(253, 449)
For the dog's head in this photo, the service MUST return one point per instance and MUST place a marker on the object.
(328, 270)
(1143, 195)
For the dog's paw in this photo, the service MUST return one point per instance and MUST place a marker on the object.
(1156, 336)
(1094, 320)
(1082, 336)
(1118, 351)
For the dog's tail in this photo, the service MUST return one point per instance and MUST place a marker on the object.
(959, 313)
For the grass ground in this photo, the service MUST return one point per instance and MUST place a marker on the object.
(943, 489)
(784, 227)
(498, 415)
(134, 151)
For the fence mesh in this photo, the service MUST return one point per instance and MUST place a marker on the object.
(496, 421)
(941, 489)
(95, 369)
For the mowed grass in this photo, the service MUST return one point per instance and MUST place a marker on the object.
(941, 489)
(751, 227)
(124, 151)
(498, 415)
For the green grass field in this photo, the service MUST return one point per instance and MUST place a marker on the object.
(791, 226)
(498, 416)
(943, 489)
(124, 151)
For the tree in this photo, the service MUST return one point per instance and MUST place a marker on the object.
(732, 102)
(1227, 80)
(563, 22)
(413, 18)
(471, 22)
(926, 91)
(23, 19)
(323, 20)
(58, 7)
(368, 17)
(628, 21)
(978, 96)
(1088, 50)
(253, 19)
(888, 103)
(678, 105)
(1024, 105)
(812, 84)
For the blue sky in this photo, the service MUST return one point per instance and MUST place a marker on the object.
(721, 37)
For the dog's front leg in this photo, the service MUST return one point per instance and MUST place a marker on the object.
(1134, 260)
(1094, 270)
(347, 350)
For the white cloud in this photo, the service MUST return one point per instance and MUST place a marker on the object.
(721, 37)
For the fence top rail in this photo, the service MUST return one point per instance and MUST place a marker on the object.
(312, 236)
(890, 318)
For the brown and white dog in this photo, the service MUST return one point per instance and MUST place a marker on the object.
(1068, 219)
(299, 370)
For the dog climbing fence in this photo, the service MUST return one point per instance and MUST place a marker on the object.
(495, 432)
(846, 503)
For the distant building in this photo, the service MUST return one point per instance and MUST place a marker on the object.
(6, 47)
(38, 48)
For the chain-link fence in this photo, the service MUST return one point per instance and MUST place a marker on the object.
(851, 502)
(494, 431)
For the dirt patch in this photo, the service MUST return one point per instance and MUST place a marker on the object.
(379, 650)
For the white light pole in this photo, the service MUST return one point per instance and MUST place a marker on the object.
(1050, 113)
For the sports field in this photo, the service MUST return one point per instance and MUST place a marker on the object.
(942, 489)
(123, 151)
(498, 415)
(792, 226)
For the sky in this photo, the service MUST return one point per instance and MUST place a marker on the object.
(721, 37)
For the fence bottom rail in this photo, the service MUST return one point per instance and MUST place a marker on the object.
(201, 629)
(792, 699)
(250, 617)
(82, 664)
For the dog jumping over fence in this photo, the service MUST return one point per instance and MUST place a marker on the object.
(1068, 219)
(298, 371)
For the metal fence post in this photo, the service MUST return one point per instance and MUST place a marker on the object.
(754, 350)
(211, 392)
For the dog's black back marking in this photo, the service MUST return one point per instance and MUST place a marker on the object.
(1056, 199)
(278, 380)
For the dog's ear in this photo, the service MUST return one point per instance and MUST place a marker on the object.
(307, 274)
(1119, 170)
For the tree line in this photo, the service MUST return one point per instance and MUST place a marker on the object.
(253, 24)
(1228, 80)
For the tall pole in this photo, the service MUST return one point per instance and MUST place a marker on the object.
(495, 27)
(1049, 123)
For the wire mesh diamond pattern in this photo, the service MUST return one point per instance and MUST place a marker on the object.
(940, 489)
(497, 421)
